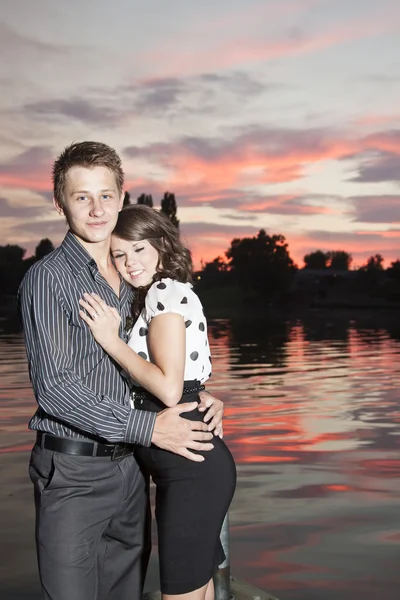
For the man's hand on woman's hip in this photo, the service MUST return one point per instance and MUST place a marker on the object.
(178, 435)
(215, 412)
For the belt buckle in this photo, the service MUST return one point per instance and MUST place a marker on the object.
(119, 451)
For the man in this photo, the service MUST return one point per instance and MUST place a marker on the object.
(90, 499)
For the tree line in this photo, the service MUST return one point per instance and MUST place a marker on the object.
(260, 265)
(168, 204)
(263, 270)
(14, 265)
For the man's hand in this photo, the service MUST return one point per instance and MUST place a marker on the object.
(214, 414)
(103, 320)
(172, 432)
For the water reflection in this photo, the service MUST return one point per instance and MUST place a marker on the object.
(262, 342)
(312, 417)
(313, 420)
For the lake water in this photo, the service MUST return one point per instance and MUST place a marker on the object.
(312, 418)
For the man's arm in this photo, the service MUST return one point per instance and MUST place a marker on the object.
(61, 394)
(58, 388)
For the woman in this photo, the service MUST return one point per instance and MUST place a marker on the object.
(168, 359)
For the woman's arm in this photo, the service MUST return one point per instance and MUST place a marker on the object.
(167, 346)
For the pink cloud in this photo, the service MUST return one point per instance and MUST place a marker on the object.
(268, 155)
(259, 156)
(220, 172)
(376, 119)
(243, 51)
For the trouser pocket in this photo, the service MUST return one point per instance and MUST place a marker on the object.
(42, 468)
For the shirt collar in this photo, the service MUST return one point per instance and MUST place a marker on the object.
(79, 258)
(76, 255)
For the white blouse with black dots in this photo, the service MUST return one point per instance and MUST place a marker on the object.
(169, 296)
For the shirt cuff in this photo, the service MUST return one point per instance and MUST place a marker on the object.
(139, 428)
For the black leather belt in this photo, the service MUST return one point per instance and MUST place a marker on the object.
(189, 387)
(83, 447)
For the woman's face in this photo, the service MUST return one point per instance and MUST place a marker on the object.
(136, 261)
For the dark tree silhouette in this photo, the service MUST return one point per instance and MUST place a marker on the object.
(391, 281)
(374, 263)
(215, 266)
(316, 260)
(168, 207)
(127, 199)
(44, 247)
(214, 273)
(11, 267)
(11, 254)
(262, 264)
(371, 276)
(339, 260)
(394, 270)
(145, 199)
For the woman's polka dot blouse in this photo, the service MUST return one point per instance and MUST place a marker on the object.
(169, 296)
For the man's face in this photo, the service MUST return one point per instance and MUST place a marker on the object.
(91, 203)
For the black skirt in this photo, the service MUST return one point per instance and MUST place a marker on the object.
(192, 500)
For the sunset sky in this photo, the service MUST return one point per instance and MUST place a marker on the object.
(274, 114)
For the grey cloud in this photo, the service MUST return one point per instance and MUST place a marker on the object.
(274, 142)
(156, 96)
(219, 198)
(76, 108)
(391, 135)
(360, 245)
(55, 230)
(328, 237)
(385, 167)
(165, 95)
(207, 149)
(248, 217)
(199, 228)
(158, 150)
(147, 98)
(274, 205)
(376, 209)
(33, 160)
(280, 142)
(12, 43)
(47, 195)
(227, 201)
(10, 210)
(238, 83)
(226, 198)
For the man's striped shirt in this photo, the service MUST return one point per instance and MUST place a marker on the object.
(79, 389)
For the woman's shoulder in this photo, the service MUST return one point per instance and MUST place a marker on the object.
(169, 295)
(166, 285)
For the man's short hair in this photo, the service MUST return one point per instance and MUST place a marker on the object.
(85, 154)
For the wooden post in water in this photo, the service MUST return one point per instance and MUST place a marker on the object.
(222, 576)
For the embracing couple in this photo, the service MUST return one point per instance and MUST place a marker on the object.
(118, 357)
